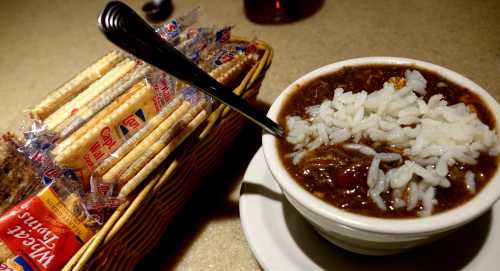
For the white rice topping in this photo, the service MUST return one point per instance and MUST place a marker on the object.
(361, 148)
(413, 196)
(433, 135)
(373, 172)
(470, 182)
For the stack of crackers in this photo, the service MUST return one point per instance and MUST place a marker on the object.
(114, 126)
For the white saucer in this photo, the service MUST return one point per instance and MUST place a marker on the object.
(281, 239)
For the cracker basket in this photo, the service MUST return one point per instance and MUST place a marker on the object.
(135, 227)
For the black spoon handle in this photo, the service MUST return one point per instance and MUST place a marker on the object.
(122, 26)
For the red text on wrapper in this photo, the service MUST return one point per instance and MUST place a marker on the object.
(101, 148)
(4, 267)
(33, 232)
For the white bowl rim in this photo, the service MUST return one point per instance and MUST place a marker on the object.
(435, 223)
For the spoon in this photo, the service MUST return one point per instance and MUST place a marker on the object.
(122, 26)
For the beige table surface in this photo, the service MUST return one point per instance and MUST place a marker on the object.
(44, 43)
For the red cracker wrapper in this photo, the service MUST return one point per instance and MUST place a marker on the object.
(44, 231)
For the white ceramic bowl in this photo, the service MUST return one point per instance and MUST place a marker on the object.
(371, 235)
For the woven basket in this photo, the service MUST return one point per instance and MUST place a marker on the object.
(136, 226)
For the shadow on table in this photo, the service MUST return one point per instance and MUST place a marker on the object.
(453, 252)
(210, 202)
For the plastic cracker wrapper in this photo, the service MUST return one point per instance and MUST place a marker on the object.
(174, 31)
(66, 92)
(110, 126)
(45, 230)
(18, 180)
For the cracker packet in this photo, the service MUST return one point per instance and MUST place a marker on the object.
(45, 230)
(17, 177)
(175, 30)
